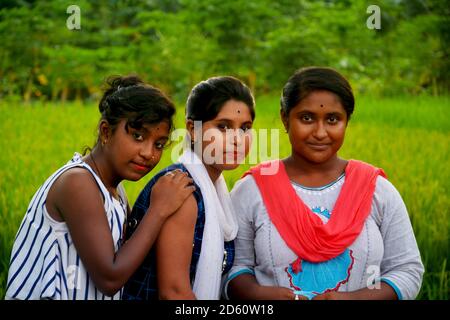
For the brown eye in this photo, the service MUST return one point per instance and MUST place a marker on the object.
(222, 127)
(159, 145)
(138, 136)
(333, 119)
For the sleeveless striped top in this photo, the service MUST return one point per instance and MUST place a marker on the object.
(44, 261)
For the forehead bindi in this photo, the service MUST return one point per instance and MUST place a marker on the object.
(160, 130)
(233, 110)
(321, 101)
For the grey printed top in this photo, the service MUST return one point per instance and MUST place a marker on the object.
(386, 249)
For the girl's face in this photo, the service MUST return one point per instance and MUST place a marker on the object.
(316, 126)
(226, 138)
(135, 153)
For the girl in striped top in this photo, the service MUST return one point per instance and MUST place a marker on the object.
(69, 244)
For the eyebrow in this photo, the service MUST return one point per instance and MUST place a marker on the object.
(229, 120)
(312, 112)
(148, 130)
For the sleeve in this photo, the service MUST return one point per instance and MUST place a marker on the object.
(401, 267)
(244, 259)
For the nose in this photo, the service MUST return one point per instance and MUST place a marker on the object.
(147, 152)
(238, 137)
(320, 131)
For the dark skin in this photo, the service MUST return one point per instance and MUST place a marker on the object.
(76, 199)
(316, 129)
(174, 243)
(245, 287)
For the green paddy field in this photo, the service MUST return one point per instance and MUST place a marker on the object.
(409, 137)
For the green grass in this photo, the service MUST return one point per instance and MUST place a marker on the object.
(407, 136)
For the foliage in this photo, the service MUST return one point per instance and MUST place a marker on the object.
(408, 137)
(176, 43)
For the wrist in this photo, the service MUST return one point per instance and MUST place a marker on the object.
(274, 293)
(157, 214)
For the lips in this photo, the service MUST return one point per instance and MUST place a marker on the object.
(140, 166)
(234, 154)
(319, 146)
(233, 157)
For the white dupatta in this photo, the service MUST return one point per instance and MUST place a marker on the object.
(220, 226)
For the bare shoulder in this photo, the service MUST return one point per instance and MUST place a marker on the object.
(74, 182)
(75, 187)
(177, 233)
(186, 215)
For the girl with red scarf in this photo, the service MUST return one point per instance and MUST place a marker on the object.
(314, 225)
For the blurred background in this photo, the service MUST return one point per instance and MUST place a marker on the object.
(177, 43)
(52, 70)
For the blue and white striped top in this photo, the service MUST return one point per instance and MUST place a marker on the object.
(44, 261)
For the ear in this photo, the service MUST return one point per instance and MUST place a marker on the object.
(285, 119)
(104, 131)
(190, 128)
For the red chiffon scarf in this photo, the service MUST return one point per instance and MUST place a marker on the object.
(302, 230)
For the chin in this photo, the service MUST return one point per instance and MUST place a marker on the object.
(135, 176)
(317, 158)
(229, 166)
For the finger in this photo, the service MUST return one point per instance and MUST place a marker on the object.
(178, 172)
(170, 174)
(185, 180)
(180, 177)
(189, 190)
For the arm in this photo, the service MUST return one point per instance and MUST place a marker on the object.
(174, 253)
(75, 196)
(384, 292)
(242, 283)
(401, 268)
(245, 287)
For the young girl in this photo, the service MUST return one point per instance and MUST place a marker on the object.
(320, 226)
(195, 245)
(69, 245)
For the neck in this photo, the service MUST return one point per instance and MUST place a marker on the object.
(97, 160)
(314, 174)
(213, 173)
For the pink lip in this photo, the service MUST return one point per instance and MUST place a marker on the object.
(140, 167)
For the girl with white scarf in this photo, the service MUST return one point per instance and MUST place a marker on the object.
(195, 246)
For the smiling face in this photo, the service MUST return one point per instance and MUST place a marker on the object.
(133, 153)
(226, 138)
(316, 126)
